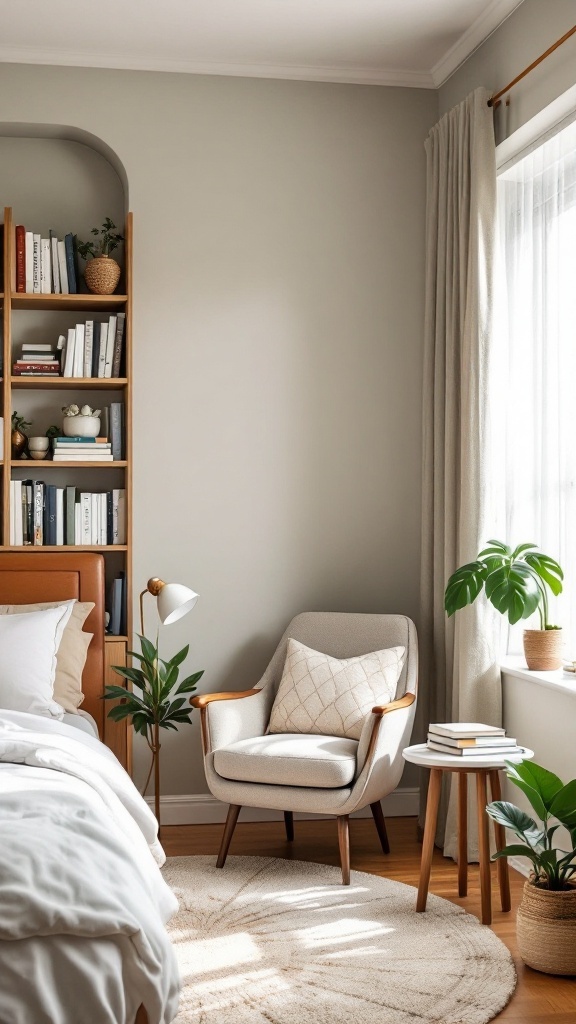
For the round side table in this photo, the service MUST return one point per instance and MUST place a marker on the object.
(484, 768)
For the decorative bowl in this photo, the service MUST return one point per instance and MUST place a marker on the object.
(81, 426)
(39, 444)
(38, 455)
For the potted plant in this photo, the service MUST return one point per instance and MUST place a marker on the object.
(102, 273)
(546, 922)
(515, 582)
(80, 421)
(18, 438)
(160, 704)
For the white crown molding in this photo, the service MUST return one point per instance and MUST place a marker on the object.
(487, 23)
(203, 809)
(300, 73)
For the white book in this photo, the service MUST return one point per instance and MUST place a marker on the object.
(36, 265)
(110, 346)
(94, 519)
(88, 340)
(77, 523)
(489, 752)
(33, 346)
(69, 358)
(62, 268)
(18, 532)
(55, 266)
(12, 514)
(86, 507)
(68, 456)
(121, 517)
(103, 518)
(103, 347)
(29, 262)
(45, 266)
(465, 730)
(60, 516)
(79, 351)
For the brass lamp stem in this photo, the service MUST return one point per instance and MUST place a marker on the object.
(154, 586)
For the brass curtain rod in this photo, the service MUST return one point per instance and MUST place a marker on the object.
(494, 100)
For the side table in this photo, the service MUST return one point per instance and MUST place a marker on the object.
(484, 768)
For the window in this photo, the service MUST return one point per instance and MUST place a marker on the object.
(536, 362)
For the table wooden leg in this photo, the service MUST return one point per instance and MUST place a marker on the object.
(484, 846)
(434, 788)
(500, 837)
(462, 834)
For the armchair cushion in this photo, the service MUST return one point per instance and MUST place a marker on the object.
(322, 762)
(320, 694)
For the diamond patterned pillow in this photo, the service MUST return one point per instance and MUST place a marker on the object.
(320, 694)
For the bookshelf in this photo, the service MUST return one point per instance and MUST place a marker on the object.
(41, 392)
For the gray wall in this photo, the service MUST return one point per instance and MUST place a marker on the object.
(527, 33)
(279, 230)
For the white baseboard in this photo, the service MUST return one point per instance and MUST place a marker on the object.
(203, 809)
(521, 865)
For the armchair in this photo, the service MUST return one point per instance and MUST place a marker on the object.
(311, 773)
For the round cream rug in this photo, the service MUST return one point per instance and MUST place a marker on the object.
(269, 941)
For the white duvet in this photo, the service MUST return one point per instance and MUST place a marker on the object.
(82, 902)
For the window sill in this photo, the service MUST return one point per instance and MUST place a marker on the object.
(562, 682)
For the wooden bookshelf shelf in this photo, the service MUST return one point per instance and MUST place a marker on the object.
(33, 548)
(67, 464)
(113, 638)
(69, 383)
(81, 301)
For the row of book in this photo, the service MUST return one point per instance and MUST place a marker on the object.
(91, 349)
(42, 514)
(471, 739)
(46, 266)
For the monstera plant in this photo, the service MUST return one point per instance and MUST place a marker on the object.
(516, 581)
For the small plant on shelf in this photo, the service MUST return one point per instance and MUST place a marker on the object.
(102, 272)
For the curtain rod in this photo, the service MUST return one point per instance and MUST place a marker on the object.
(494, 100)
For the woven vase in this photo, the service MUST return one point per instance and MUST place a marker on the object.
(543, 649)
(546, 929)
(102, 275)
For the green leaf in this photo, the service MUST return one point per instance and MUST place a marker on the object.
(517, 850)
(169, 725)
(545, 783)
(500, 546)
(513, 591)
(464, 586)
(548, 570)
(512, 817)
(149, 651)
(121, 711)
(521, 549)
(189, 684)
(563, 806)
(180, 656)
(135, 675)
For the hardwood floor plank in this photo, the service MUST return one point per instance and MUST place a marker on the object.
(539, 998)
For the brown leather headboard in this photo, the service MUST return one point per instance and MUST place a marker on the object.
(28, 578)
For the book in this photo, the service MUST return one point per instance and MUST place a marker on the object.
(82, 456)
(475, 744)
(88, 341)
(95, 349)
(12, 531)
(79, 351)
(28, 486)
(55, 263)
(36, 264)
(86, 512)
(20, 258)
(29, 262)
(119, 516)
(62, 268)
(36, 346)
(70, 355)
(50, 517)
(69, 250)
(64, 439)
(465, 730)
(496, 751)
(116, 424)
(118, 344)
(70, 515)
(110, 340)
(115, 607)
(36, 357)
(47, 369)
(38, 488)
(59, 516)
(103, 347)
(18, 525)
(45, 266)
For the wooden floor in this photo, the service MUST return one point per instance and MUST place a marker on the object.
(539, 998)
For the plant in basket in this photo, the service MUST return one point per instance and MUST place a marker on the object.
(102, 272)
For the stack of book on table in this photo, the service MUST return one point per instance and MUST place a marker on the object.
(82, 449)
(471, 739)
(37, 360)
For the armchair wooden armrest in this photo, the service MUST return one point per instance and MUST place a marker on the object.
(206, 698)
(395, 705)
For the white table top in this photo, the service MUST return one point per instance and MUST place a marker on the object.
(420, 754)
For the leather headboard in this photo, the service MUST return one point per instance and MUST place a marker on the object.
(51, 576)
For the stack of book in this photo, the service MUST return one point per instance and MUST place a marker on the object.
(45, 514)
(37, 360)
(93, 349)
(46, 265)
(471, 739)
(82, 449)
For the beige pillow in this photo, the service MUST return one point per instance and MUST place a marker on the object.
(330, 696)
(72, 652)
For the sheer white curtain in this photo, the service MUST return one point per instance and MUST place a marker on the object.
(536, 397)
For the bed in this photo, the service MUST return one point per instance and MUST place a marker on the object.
(83, 905)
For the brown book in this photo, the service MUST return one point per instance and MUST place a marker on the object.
(20, 258)
(49, 369)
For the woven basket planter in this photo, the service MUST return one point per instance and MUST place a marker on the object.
(546, 929)
(543, 649)
(102, 275)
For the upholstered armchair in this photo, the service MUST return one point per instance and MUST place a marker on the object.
(300, 772)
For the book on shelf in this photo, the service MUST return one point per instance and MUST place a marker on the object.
(20, 258)
(82, 449)
(117, 607)
(45, 514)
(47, 265)
(95, 348)
(37, 359)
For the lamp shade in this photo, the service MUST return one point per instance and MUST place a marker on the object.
(174, 601)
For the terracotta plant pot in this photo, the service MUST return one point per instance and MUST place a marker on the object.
(18, 442)
(546, 929)
(102, 275)
(543, 649)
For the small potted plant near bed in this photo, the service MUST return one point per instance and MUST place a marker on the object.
(515, 582)
(102, 272)
(546, 922)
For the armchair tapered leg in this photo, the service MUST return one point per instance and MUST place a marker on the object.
(231, 819)
(344, 845)
(380, 822)
(289, 823)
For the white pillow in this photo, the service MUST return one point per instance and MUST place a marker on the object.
(28, 647)
(331, 696)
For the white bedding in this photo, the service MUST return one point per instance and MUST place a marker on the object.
(82, 901)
